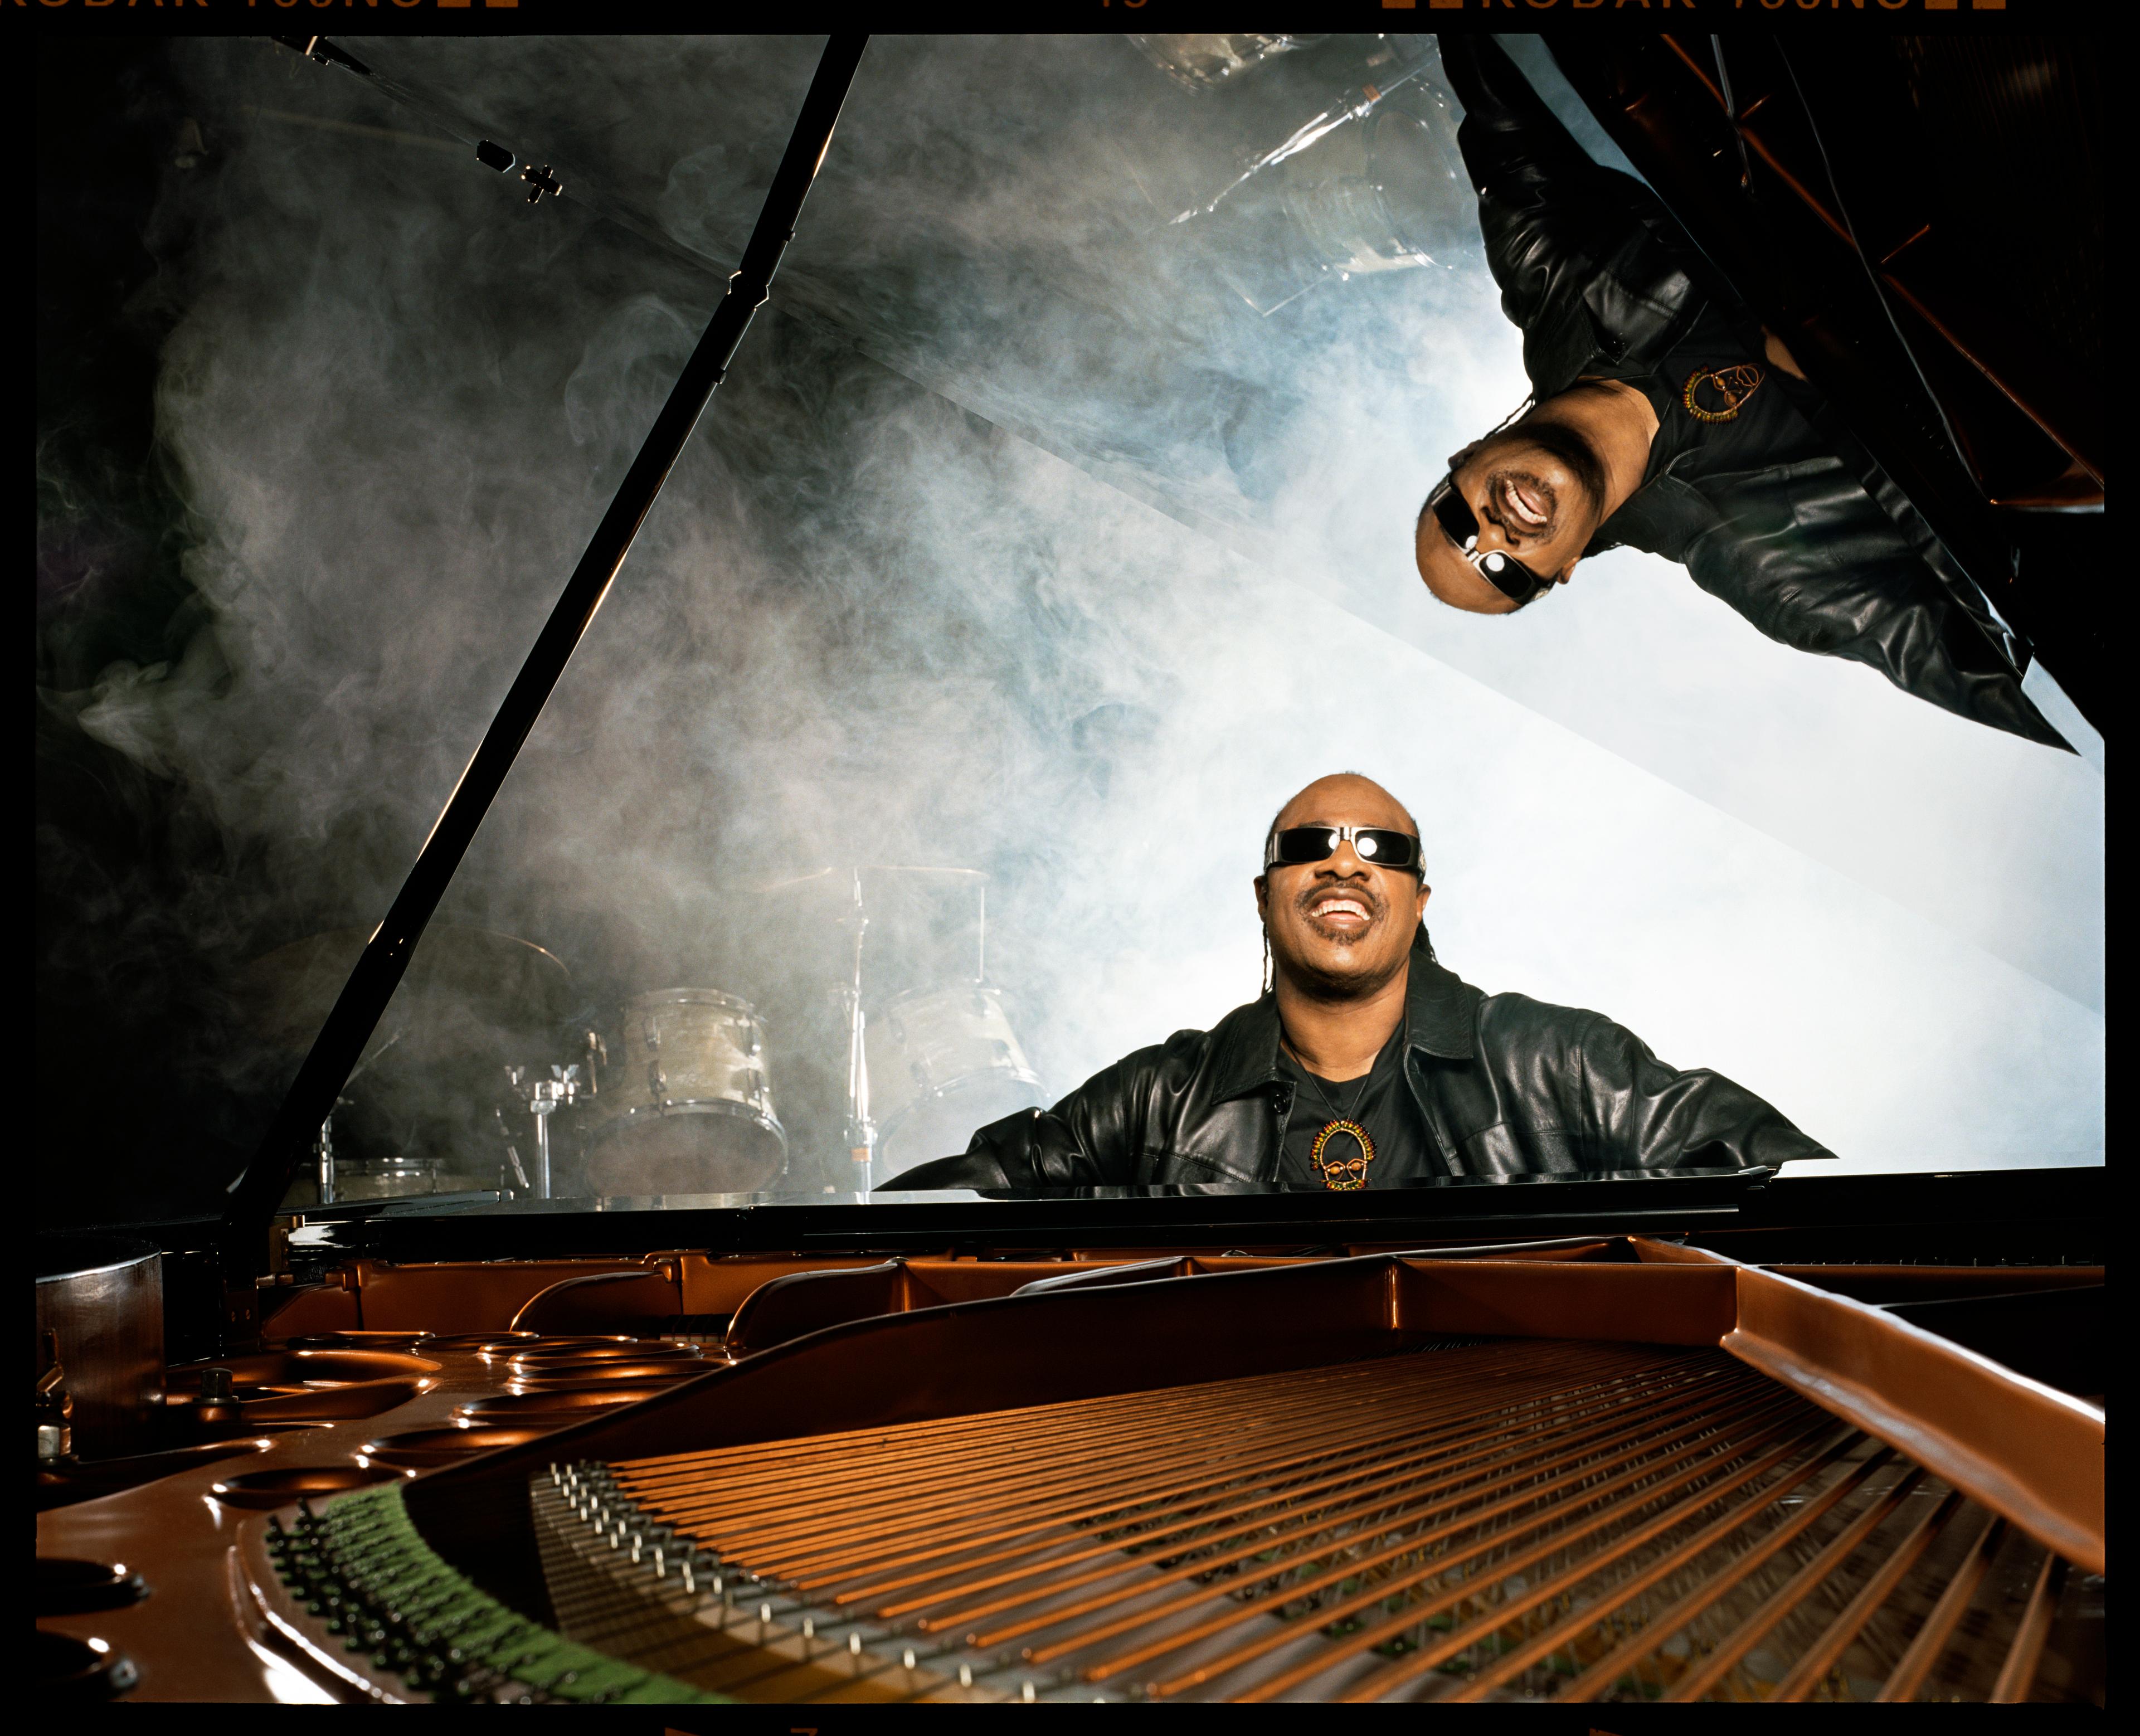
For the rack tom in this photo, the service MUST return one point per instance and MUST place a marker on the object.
(684, 1107)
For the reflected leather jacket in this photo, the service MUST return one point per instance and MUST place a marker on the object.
(1824, 554)
(1504, 1085)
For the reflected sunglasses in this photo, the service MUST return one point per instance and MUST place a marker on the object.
(1503, 570)
(1374, 845)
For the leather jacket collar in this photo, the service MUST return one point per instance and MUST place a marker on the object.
(1439, 1020)
(1505, 1085)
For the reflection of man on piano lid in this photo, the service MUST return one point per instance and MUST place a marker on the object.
(1367, 1064)
(1666, 417)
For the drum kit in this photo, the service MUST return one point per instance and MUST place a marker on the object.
(478, 1083)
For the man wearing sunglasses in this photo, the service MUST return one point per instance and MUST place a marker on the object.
(1367, 1064)
(1665, 417)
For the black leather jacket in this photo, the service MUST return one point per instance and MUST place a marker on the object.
(1824, 554)
(1506, 1086)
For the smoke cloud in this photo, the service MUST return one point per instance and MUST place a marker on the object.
(1001, 549)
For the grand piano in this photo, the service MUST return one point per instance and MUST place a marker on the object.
(1729, 1437)
(1725, 1436)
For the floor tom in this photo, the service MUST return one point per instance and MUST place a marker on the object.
(942, 1063)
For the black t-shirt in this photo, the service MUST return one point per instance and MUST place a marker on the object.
(1768, 429)
(1381, 1104)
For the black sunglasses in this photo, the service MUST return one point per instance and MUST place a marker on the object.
(1503, 570)
(1374, 845)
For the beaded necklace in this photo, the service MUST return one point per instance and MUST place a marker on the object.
(1345, 1175)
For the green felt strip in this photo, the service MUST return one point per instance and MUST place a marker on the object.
(386, 1565)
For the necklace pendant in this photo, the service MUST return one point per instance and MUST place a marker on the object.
(1734, 384)
(1342, 1176)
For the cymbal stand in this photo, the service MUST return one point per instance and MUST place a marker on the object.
(861, 1131)
(545, 1098)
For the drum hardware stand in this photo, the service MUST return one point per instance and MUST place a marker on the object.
(323, 1146)
(323, 1161)
(861, 1131)
(545, 1098)
(511, 1150)
(55, 1406)
(323, 1153)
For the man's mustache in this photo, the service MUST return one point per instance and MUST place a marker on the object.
(1502, 484)
(1586, 465)
(1376, 905)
